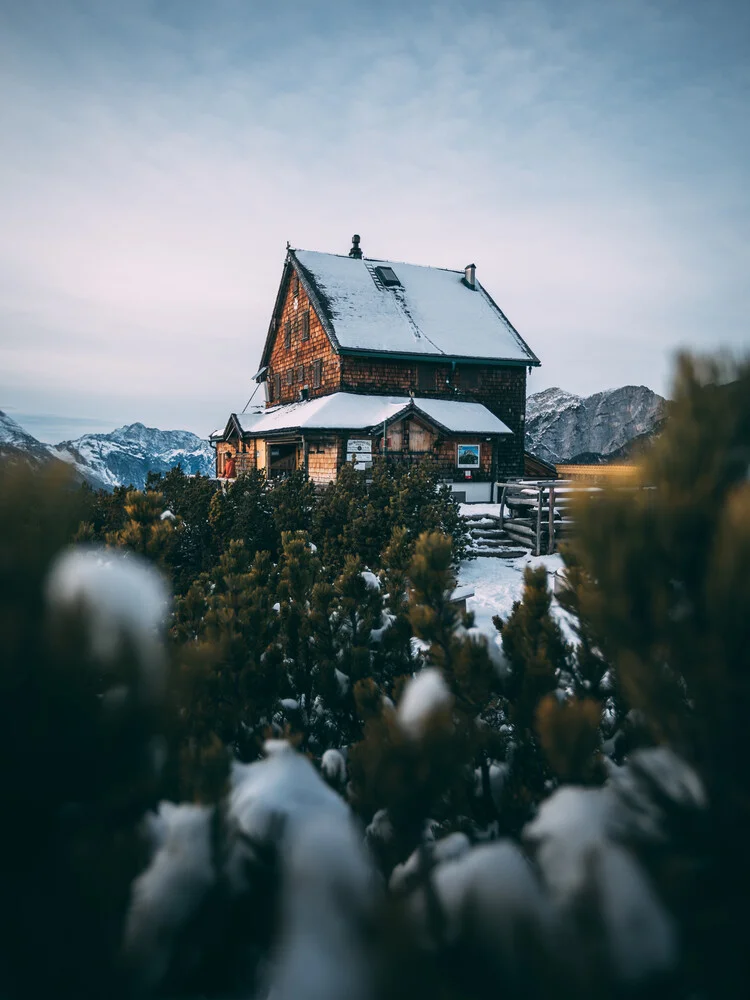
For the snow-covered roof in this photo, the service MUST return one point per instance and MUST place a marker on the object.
(431, 311)
(352, 411)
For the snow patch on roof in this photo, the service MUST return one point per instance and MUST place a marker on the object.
(431, 312)
(352, 411)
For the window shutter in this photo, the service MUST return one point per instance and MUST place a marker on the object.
(277, 387)
(301, 373)
(287, 334)
(317, 374)
(290, 376)
(306, 324)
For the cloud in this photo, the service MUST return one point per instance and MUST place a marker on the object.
(157, 155)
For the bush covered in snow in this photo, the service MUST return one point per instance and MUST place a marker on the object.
(308, 777)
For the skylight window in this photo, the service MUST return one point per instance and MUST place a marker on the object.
(388, 276)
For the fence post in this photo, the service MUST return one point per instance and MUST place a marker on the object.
(538, 551)
(502, 504)
(551, 544)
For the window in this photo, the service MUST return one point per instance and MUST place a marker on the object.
(304, 394)
(317, 374)
(277, 387)
(295, 284)
(469, 376)
(425, 377)
(306, 324)
(388, 276)
(300, 373)
(287, 334)
(290, 377)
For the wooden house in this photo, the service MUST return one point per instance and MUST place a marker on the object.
(371, 360)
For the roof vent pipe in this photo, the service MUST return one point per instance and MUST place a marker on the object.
(470, 272)
(355, 250)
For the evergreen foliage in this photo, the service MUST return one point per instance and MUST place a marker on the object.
(604, 745)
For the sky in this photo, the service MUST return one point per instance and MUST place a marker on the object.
(592, 157)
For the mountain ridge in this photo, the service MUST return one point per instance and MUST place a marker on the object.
(562, 427)
(120, 457)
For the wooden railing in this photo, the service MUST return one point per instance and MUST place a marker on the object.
(538, 513)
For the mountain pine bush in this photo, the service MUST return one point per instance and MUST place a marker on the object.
(327, 783)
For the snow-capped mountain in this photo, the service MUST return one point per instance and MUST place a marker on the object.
(128, 454)
(562, 427)
(16, 444)
(123, 457)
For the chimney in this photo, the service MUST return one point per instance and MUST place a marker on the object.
(470, 272)
(355, 250)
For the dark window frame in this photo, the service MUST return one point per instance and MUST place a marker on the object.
(305, 325)
(300, 374)
(425, 376)
(317, 373)
(470, 376)
(287, 334)
(290, 376)
(388, 276)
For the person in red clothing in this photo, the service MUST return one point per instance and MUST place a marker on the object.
(230, 466)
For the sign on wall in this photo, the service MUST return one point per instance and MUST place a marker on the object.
(467, 456)
(359, 451)
(359, 446)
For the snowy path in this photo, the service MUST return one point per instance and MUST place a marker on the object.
(497, 584)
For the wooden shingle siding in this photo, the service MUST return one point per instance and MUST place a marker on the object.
(323, 461)
(501, 389)
(286, 361)
(302, 355)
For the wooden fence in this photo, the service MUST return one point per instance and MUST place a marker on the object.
(537, 513)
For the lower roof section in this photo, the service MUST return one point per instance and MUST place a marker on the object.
(354, 412)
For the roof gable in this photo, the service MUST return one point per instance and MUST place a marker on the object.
(431, 312)
(291, 266)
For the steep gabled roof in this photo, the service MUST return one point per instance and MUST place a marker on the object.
(431, 312)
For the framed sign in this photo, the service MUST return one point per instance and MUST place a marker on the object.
(359, 446)
(467, 456)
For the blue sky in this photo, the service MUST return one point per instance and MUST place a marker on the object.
(591, 156)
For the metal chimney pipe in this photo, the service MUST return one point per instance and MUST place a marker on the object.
(470, 272)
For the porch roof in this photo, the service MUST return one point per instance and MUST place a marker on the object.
(354, 412)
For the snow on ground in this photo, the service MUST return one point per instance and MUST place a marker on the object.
(479, 508)
(497, 583)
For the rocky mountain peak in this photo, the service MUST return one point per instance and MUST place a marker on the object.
(562, 427)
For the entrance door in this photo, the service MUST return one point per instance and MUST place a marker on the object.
(282, 459)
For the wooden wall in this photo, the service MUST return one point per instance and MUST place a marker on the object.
(302, 353)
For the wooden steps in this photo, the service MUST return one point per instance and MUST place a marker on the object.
(490, 540)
